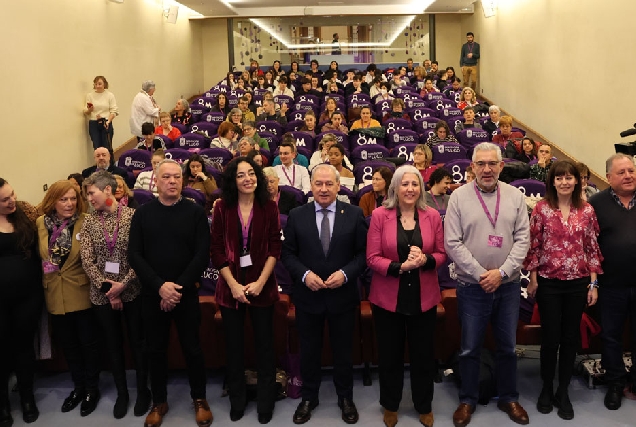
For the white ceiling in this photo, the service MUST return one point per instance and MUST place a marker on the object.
(262, 8)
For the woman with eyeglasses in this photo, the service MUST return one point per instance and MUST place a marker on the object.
(587, 190)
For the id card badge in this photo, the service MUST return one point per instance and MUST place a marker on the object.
(49, 267)
(245, 260)
(495, 241)
(112, 267)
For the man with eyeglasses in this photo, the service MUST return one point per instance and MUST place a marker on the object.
(486, 234)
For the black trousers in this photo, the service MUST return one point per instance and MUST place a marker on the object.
(262, 325)
(20, 310)
(310, 332)
(392, 331)
(187, 319)
(77, 332)
(617, 305)
(110, 323)
(561, 304)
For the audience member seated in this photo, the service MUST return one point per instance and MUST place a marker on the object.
(330, 107)
(262, 84)
(419, 76)
(422, 159)
(77, 180)
(315, 71)
(227, 138)
(310, 123)
(336, 123)
(270, 80)
(539, 171)
(588, 190)
(397, 111)
(505, 132)
(244, 106)
(236, 118)
(258, 158)
(439, 184)
(147, 180)
(348, 77)
(356, 87)
(150, 141)
(524, 150)
(222, 106)
(442, 134)
(306, 89)
(165, 128)
(365, 120)
(196, 177)
(468, 98)
(285, 200)
(385, 93)
(321, 155)
(446, 78)
(397, 82)
(336, 159)
(102, 161)
(269, 96)
(229, 80)
(454, 86)
(247, 145)
(290, 173)
(252, 107)
(298, 158)
(332, 87)
(434, 71)
(282, 88)
(380, 182)
(124, 195)
(492, 124)
(315, 85)
(428, 87)
(469, 120)
(374, 90)
(470, 174)
(270, 114)
(249, 129)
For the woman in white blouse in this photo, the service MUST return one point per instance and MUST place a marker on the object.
(144, 109)
(101, 109)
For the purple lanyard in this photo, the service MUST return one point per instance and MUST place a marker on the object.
(152, 181)
(111, 242)
(435, 200)
(245, 228)
(293, 180)
(470, 47)
(485, 208)
(57, 231)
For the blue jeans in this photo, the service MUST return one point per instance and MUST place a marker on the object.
(101, 136)
(476, 309)
(617, 305)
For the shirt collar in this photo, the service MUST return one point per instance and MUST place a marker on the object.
(631, 203)
(330, 208)
(481, 190)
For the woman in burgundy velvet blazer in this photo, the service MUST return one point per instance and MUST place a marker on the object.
(245, 244)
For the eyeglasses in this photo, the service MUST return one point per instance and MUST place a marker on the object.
(491, 165)
(586, 177)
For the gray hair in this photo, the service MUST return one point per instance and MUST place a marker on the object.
(494, 108)
(165, 161)
(325, 166)
(392, 201)
(249, 140)
(610, 161)
(270, 172)
(487, 146)
(185, 103)
(236, 110)
(147, 85)
(250, 123)
(101, 179)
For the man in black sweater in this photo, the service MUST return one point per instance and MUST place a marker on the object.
(169, 250)
(102, 161)
(617, 285)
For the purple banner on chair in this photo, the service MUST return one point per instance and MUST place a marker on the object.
(304, 140)
(448, 151)
(363, 172)
(457, 169)
(369, 152)
(402, 136)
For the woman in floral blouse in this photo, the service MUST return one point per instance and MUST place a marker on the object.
(114, 286)
(564, 260)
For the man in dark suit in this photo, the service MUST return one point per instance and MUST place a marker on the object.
(324, 252)
(102, 161)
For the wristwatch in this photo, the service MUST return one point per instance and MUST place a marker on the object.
(504, 276)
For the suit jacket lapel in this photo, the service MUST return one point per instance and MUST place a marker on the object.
(311, 217)
(338, 224)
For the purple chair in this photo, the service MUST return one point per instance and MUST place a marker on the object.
(190, 141)
(167, 141)
(353, 197)
(272, 140)
(369, 152)
(178, 154)
(414, 102)
(453, 123)
(457, 169)
(441, 104)
(301, 198)
(359, 104)
(232, 101)
(454, 95)
(420, 113)
(270, 126)
(401, 136)
(433, 96)
(220, 88)
(521, 131)
(392, 125)
(425, 125)
(294, 125)
(260, 92)
(213, 117)
(133, 161)
(448, 151)
(382, 107)
(209, 129)
(304, 140)
(313, 99)
(472, 136)
(357, 138)
(217, 155)
(404, 151)
(303, 106)
(341, 137)
(143, 196)
(402, 90)
(364, 190)
(296, 116)
(450, 112)
(530, 187)
(363, 171)
(358, 98)
(284, 99)
(182, 128)
(198, 110)
(208, 281)
(340, 99)
(196, 195)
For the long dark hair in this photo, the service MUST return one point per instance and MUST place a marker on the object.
(560, 168)
(187, 174)
(230, 190)
(23, 228)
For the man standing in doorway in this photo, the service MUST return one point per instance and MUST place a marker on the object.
(336, 49)
(468, 61)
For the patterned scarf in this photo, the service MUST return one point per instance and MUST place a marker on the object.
(62, 245)
(123, 201)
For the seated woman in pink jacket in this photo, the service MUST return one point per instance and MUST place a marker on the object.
(405, 245)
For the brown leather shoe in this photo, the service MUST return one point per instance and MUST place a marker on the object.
(427, 420)
(390, 418)
(155, 417)
(515, 411)
(202, 412)
(462, 415)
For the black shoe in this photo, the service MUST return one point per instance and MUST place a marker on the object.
(562, 402)
(265, 417)
(6, 420)
(236, 414)
(303, 411)
(30, 412)
(73, 399)
(142, 404)
(349, 411)
(121, 406)
(613, 397)
(89, 403)
(544, 404)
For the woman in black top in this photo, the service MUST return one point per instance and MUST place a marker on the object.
(222, 105)
(20, 303)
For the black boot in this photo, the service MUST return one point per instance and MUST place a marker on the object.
(544, 404)
(142, 404)
(30, 412)
(562, 401)
(121, 404)
(6, 420)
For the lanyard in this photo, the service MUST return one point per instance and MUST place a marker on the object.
(111, 242)
(293, 180)
(435, 200)
(245, 228)
(57, 231)
(152, 181)
(485, 208)
(470, 47)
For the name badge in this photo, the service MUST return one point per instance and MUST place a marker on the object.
(495, 241)
(49, 267)
(245, 260)
(112, 267)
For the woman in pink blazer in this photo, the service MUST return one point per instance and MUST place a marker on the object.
(405, 245)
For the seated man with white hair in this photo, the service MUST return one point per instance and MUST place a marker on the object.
(492, 124)
(144, 108)
(102, 162)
